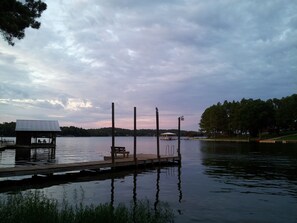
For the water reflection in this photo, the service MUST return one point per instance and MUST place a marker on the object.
(134, 195)
(112, 191)
(134, 187)
(40, 182)
(35, 155)
(179, 184)
(252, 166)
(157, 188)
(24, 156)
(131, 186)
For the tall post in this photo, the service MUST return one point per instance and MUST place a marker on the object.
(135, 134)
(112, 133)
(181, 118)
(158, 142)
(178, 141)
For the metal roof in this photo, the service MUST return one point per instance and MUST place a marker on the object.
(37, 126)
(168, 134)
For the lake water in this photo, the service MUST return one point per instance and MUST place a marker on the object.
(217, 182)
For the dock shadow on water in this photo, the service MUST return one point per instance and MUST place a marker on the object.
(250, 167)
(139, 208)
(36, 155)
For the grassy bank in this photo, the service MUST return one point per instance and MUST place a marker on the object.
(36, 207)
(289, 137)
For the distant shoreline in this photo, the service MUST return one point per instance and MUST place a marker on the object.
(223, 140)
(281, 140)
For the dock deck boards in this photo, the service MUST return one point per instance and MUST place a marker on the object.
(142, 159)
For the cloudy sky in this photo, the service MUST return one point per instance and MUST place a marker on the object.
(181, 56)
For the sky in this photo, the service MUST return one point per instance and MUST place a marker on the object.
(180, 56)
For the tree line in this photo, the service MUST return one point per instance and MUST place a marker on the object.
(251, 117)
(7, 129)
(74, 131)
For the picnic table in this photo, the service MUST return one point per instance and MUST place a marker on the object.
(120, 150)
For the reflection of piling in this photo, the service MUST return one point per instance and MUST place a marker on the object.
(179, 184)
(34, 154)
(134, 195)
(157, 188)
(134, 187)
(53, 153)
(112, 193)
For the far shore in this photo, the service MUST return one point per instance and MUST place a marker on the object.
(282, 139)
(223, 140)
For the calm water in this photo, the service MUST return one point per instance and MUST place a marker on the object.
(217, 182)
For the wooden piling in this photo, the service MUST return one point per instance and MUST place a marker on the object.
(158, 141)
(135, 132)
(178, 143)
(112, 134)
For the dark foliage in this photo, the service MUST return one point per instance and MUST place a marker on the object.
(16, 16)
(250, 117)
(7, 129)
(74, 131)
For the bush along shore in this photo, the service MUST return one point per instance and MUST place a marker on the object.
(36, 207)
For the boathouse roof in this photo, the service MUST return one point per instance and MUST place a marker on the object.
(168, 134)
(37, 126)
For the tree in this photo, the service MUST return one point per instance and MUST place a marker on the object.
(16, 16)
(286, 113)
(255, 116)
(214, 120)
(7, 129)
(250, 116)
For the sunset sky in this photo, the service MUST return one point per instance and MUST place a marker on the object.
(181, 56)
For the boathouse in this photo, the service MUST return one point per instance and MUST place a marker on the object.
(168, 136)
(37, 133)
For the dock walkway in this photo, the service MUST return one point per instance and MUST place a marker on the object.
(48, 169)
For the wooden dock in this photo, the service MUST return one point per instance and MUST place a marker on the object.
(32, 146)
(49, 169)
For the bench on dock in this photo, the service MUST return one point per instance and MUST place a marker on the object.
(120, 150)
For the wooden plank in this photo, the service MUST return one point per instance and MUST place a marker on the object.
(142, 159)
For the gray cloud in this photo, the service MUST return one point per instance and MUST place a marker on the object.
(181, 56)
